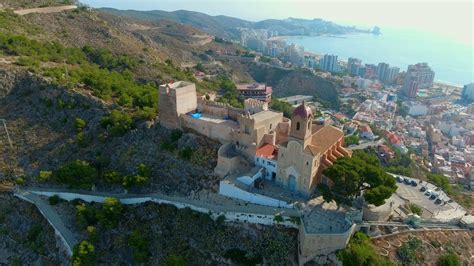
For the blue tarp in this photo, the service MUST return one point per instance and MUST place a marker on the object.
(196, 115)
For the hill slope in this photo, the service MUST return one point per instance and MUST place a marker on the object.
(227, 27)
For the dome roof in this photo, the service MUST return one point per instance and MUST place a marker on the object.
(303, 111)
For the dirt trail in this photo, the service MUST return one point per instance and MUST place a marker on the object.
(44, 10)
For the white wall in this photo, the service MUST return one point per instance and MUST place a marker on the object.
(230, 216)
(229, 190)
(269, 165)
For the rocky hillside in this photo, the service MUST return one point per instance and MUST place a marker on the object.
(300, 82)
(42, 121)
(25, 237)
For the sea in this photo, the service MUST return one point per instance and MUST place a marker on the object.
(452, 61)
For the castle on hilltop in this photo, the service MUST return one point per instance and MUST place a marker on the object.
(292, 153)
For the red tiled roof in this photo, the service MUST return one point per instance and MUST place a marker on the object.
(394, 139)
(267, 151)
(365, 128)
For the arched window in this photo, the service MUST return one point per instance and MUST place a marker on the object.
(297, 125)
(309, 124)
(270, 126)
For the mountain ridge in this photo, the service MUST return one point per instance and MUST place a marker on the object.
(227, 26)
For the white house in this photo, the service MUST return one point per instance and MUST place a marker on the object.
(266, 157)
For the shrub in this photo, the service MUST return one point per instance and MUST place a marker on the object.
(77, 174)
(110, 213)
(359, 251)
(351, 140)
(186, 153)
(167, 146)
(83, 254)
(144, 170)
(175, 135)
(118, 123)
(81, 139)
(415, 209)
(130, 181)
(20, 181)
(44, 176)
(175, 260)
(410, 251)
(85, 215)
(241, 257)
(139, 244)
(79, 124)
(112, 177)
(450, 259)
(53, 200)
(91, 233)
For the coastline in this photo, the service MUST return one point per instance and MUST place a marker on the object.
(444, 72)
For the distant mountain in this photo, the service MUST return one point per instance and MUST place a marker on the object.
(228, 27)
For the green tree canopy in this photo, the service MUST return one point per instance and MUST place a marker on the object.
(354, 175)
(77, 174)
(83, 254)
(450, 259)
(361, 252)
(282, 106)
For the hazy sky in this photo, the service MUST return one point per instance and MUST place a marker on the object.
(453, 19)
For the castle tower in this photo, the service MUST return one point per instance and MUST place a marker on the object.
(301, 124)
(175, 99)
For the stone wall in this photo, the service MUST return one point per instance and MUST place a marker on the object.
(229, 190)
(218, 131)
(312, 245)
(229, 162)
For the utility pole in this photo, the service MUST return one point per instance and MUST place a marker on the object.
(9, 142)
(6, 131)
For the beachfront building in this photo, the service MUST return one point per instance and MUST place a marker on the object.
(419, 76)
(256, 91)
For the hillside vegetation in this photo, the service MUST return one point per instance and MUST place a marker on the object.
(300, 82)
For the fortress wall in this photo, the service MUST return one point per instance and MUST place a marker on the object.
(212, 109)
(221, 132)
(312, 245)
(229, 165)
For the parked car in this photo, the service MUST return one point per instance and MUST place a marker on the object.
(434, 195)
(413, 183)
(423, 189)
(428, 193)
(438, 201)
(450, 201)
(399, 179)
(406, 181)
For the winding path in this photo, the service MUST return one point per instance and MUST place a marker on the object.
(247, 212)
(44, 10)
(65, 235)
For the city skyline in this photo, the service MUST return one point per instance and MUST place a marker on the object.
(417, 16)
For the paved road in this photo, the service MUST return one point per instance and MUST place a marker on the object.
(214, 202)
(44, 10)
(53, 218)
(367, 144)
